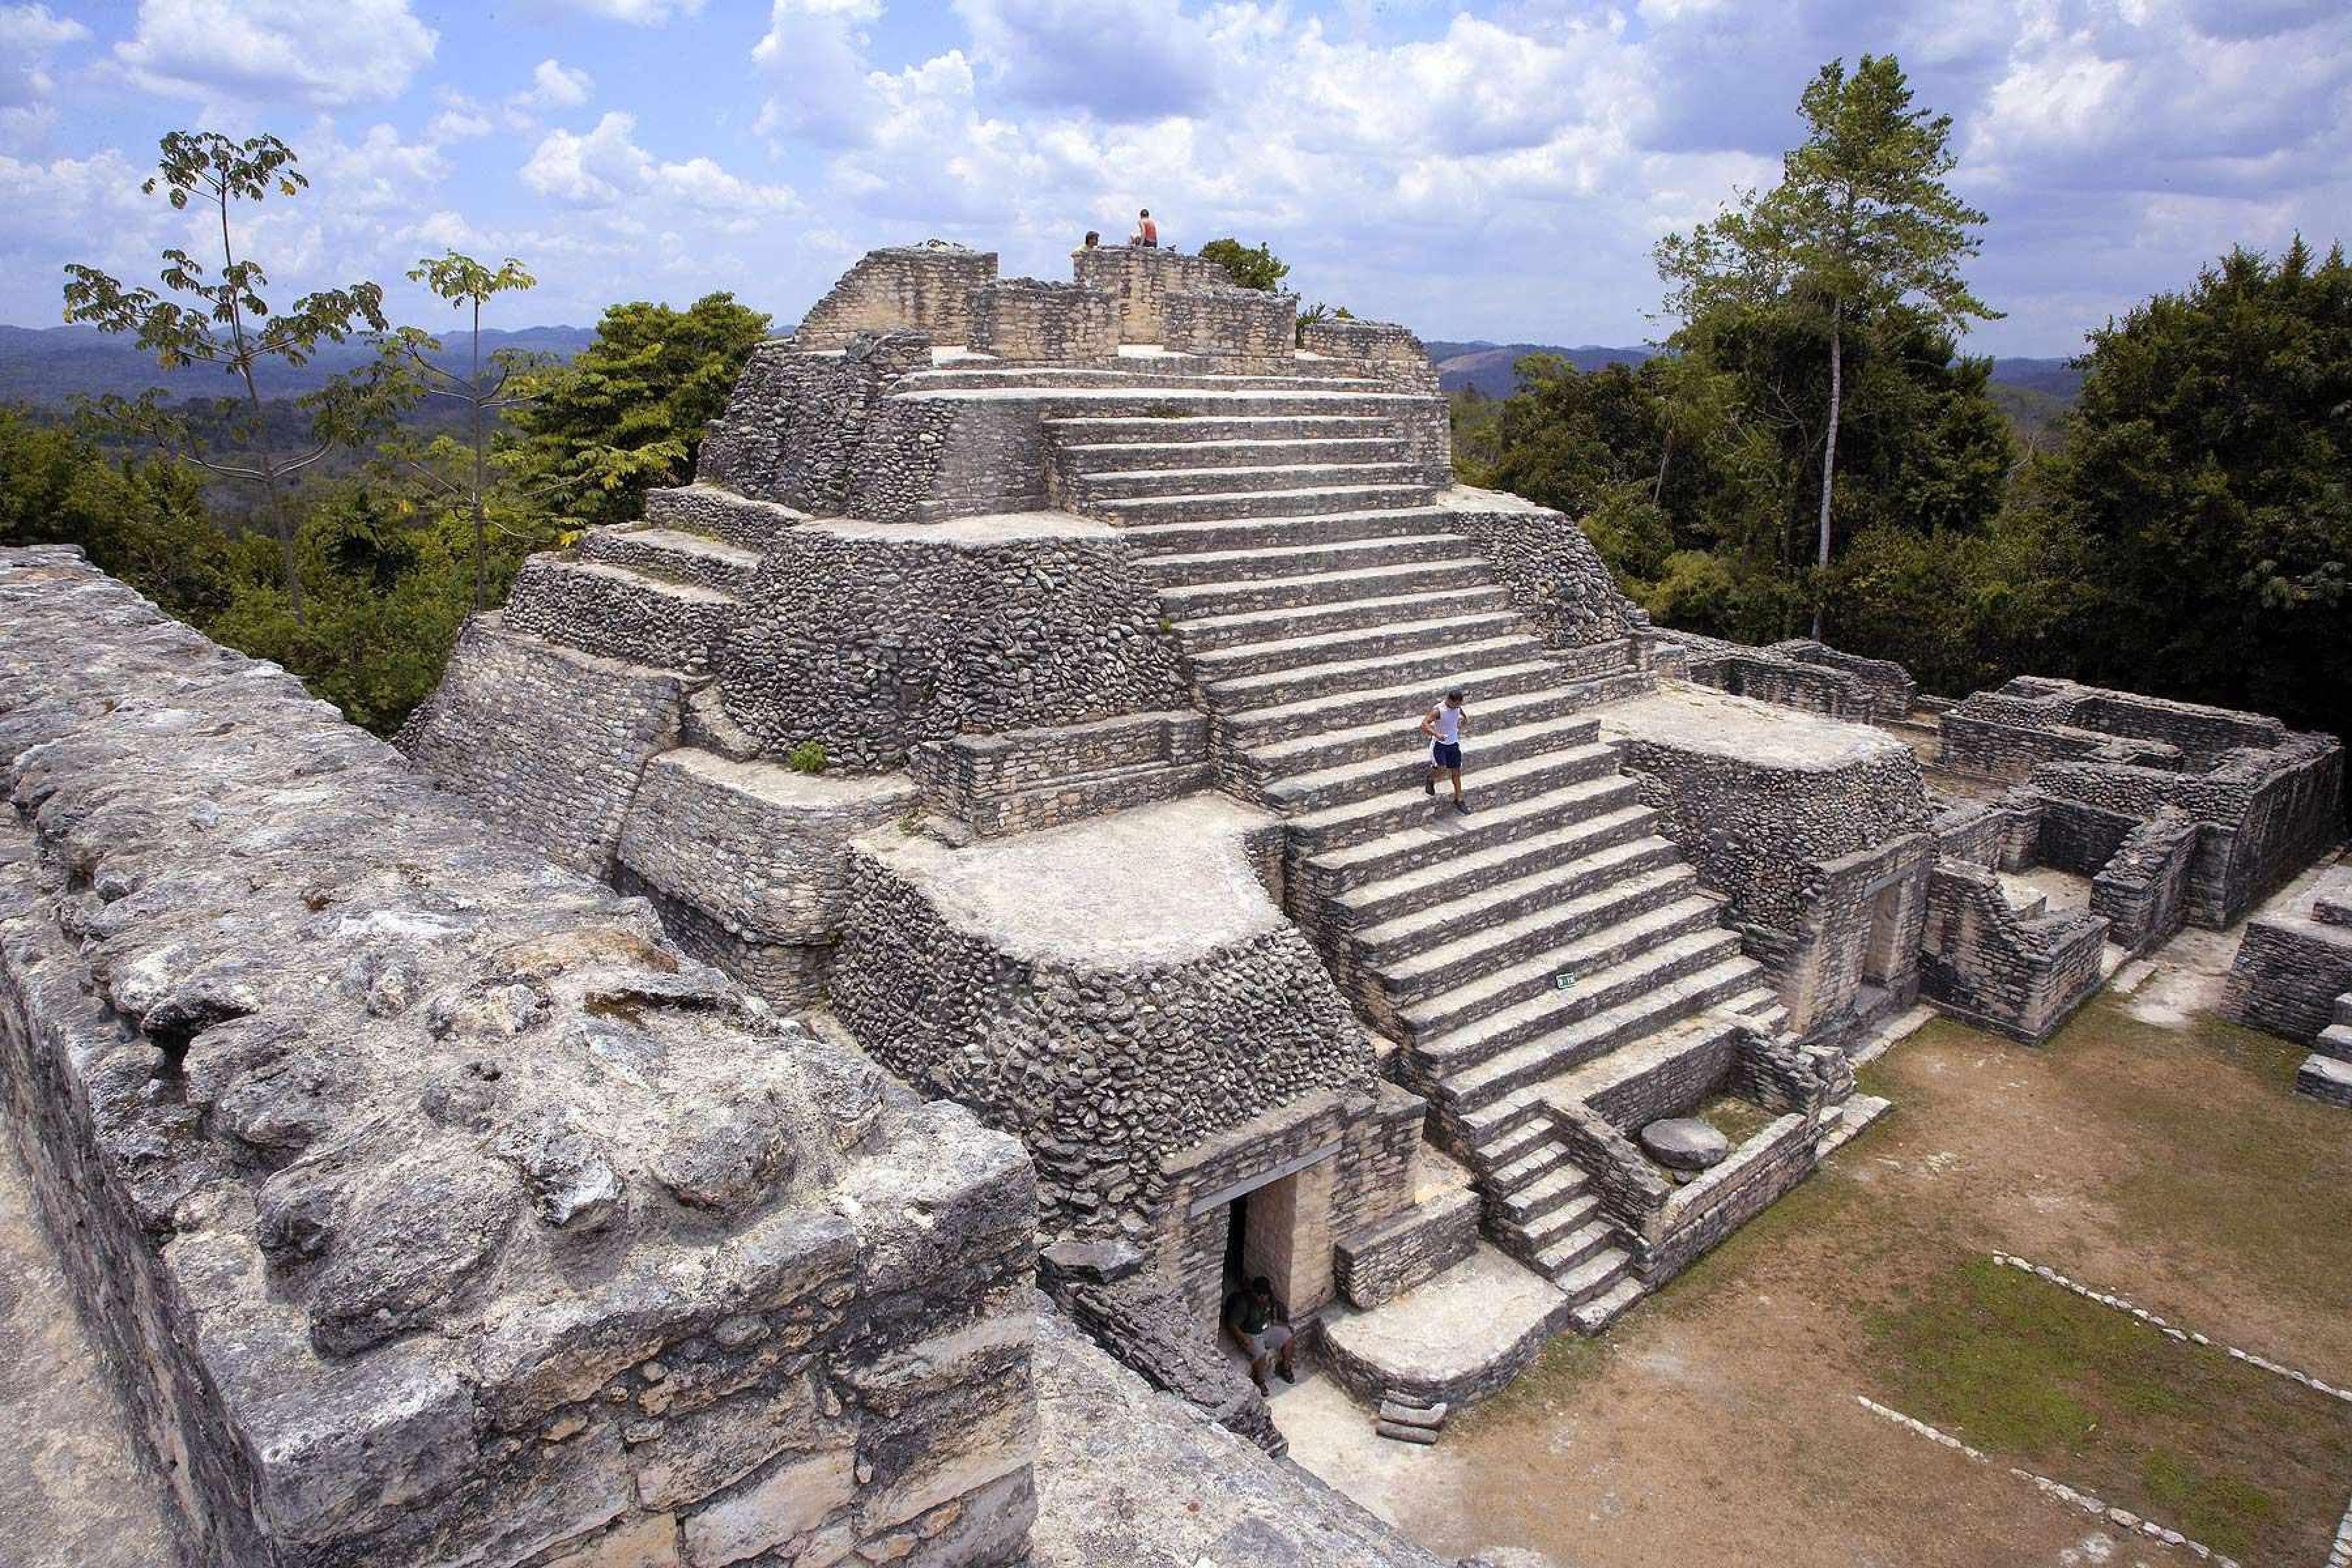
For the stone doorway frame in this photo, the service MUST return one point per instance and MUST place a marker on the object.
(1285, 1214)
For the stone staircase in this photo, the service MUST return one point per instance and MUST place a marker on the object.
(1306, 566)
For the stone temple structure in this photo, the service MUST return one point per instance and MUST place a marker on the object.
(972, 838)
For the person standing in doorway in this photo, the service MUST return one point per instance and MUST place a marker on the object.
(1146, 233)
(1443, 725)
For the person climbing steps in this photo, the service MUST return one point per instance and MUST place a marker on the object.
(1443, 725)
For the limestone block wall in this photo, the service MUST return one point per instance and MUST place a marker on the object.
(1771, 675)
(1556, 579)
(1023, 781)
(2291, 968)
(545, 742)
(2001, 834)
(1027, 320)
(927, 458)
(2016, 974)
(1251, 326)
(2143, 890)
(928, 289)
(1889, 687)
(429, 1206)
(1416, 1246)
(797, 427)
(1698, 1216)
(1137, 280)
(1107, 1074)
(1379, 350)
(873, 637)
(757, 852)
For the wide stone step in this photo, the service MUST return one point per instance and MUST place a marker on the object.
(1214, 634)
(1219, 598)
(1361, 821)
(1666, 985)
(1303, 754)
(1614, 915)
(1456, 1031)
(2335, 1040)
(1044, 378)
(1212, 534)
(1304, 400)
(717, 512)
(1308, 500)
(1558, 1242)
(1107, 457)
(1421, 905)
(1115, 485)
(1401, 705)
(1181, 429)
(1595, 1277)
(673, 555)
(1355, 642)
(1302, 560)
(619, 613)
(1538, 1184)
(2344, 1008)
(1441, 947)
(1404, 761)
(1422, 667)
(1445, 839)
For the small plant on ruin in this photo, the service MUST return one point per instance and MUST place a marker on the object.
(808, 757)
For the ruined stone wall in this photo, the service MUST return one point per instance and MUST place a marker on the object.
(2001, 834)
(2016, 974)
(928, 459)
(928, 289)
(1771, 675)
(1027, 780)
(756, 851)
(872, 639)
(1556, 579)
(797, 424)
(1105, 1074)
(1139, 280)
(1416, 1246)
(429, 1206)
(1888, 686)
(2292, 967)
(1710, 1208)
(1250, 328)
(1054, 323)
(544, 741)
(2143, 889)
(1381, 351)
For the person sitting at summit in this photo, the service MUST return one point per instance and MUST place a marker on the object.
(1146, 233)
(1254, 1321)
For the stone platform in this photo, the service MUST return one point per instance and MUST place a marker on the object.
(1456, 1339)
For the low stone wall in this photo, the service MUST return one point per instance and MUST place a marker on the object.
(1765, 674)
(797, 424)
(1888, 686)
(756, 851)
(873, 638)
(428, 1207)
(929, 288)
(2000, 836)
(1380, 351)
(2008, 752)
(1137, 281)
(927, 458)
(1556, 579)
(1710, 1208)
(2143, 890)
(1023, 781)
(1026, 320)
(544, 741)
(1250, 327)
(2288, 974)
(2018, 975)
(1411, 1248)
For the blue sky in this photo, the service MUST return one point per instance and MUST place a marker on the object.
(1498, 169)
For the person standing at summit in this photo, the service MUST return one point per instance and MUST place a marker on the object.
(1443, 725)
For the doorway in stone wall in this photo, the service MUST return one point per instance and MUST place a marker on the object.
(1882, 952)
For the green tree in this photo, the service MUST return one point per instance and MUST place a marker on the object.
(591, 437)
(228, 324)
(460, 476)
(1861, 221)
(1252, 266)
(2208, 472)
(141, 519)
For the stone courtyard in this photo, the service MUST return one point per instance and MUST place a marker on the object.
(851, 971)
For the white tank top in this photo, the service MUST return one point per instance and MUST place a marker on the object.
(1449, 724)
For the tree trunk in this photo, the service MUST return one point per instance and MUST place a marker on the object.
(244, 362)
(1829, 447)
(482, 532)
(1658, 486)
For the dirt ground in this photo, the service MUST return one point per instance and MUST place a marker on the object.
(2148, 1151)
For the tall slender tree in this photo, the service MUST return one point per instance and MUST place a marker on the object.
(1862, 220)
(228, 324)
(467, 284)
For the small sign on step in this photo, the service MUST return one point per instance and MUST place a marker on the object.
(1564, 981)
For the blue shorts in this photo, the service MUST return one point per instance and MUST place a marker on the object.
(1445, 755)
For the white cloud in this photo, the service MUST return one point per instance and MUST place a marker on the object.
(816, 49)
(322, 53)
(606, 168)
(555, 85)
(1118, 59)
(635, 13)
(456, 125)
(29, 36)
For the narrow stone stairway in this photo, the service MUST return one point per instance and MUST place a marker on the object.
(1308, 573)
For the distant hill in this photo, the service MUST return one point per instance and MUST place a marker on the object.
(2050, 383)
(52, 366)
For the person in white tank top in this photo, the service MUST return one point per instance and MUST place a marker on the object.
(1443, 725)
